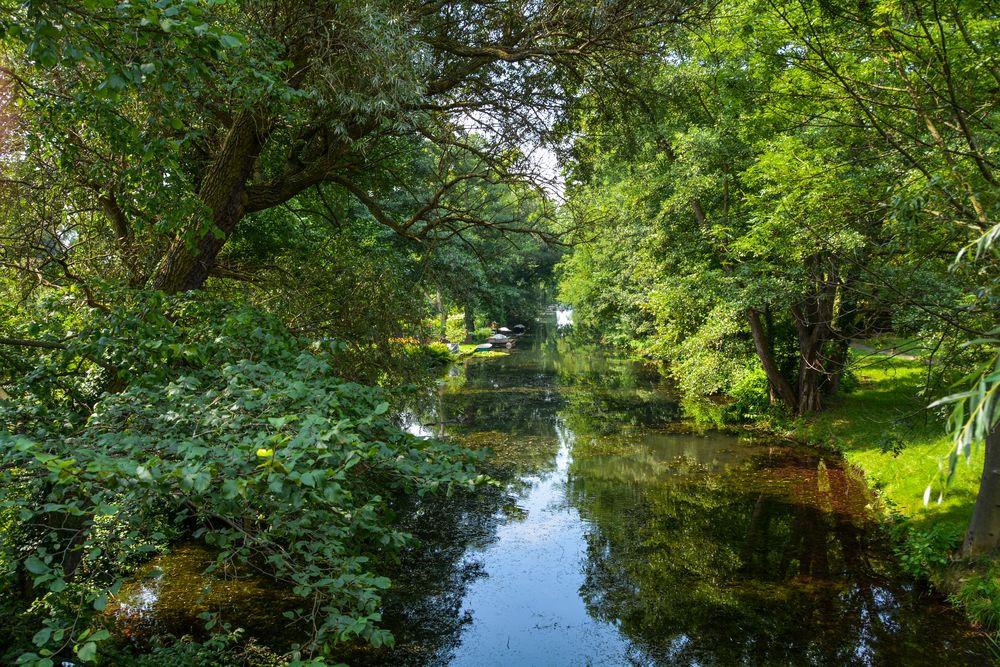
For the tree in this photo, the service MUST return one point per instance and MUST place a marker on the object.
(709, 175)
(193, 119)
(926, 88)
(819, 165)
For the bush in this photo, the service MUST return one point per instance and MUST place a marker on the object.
(750, 396)
(924, 552)
(212, 421)
(222, 650)
(979, 595)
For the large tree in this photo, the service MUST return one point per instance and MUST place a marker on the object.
(170, 123)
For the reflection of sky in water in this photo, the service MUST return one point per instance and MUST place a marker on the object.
(412, 424)
(560, 587)
(527, 610)
(142, 601)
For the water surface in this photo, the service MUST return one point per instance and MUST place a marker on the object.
(617, 537)
(621, 539)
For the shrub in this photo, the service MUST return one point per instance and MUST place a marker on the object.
(217, 423)
(924, 552)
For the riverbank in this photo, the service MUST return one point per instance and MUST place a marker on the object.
(883, 428)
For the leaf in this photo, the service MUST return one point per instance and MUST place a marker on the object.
(230, 41)
(229, 489)
(42, 637)
(35, 566)
(381, 408)
(101, 602)
(48, 57)
(87, 652)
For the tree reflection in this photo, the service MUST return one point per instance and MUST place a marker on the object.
(756, 564)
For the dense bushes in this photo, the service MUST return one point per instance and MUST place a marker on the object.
(186, 416)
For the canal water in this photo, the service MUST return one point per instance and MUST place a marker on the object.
(623, 539)
(617, 537)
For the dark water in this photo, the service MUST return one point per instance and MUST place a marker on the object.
(617, 539)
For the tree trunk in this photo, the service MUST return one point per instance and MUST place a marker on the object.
(223, 192)
(814, 320)
(983, 536)
(470, 323)
(765, 353)
(442, 313)
(812, 374)
(837, 365)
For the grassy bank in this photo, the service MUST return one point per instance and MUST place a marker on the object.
(882, 428)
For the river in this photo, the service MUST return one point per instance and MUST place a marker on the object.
(617, 537)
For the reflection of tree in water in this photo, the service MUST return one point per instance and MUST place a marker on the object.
(759, 565)
(423, 607)
(612, 411)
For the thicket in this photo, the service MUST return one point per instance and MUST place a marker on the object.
(225, 428)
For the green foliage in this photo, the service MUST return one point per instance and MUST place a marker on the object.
(750, 401)
(222, 650)
(455, 331)
(232, 429)
(431, 354)
(924, 552)
(979, 596)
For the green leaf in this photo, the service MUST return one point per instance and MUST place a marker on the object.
(35, 566)
(229, 489)
(230, 41)
(87, 652)
(381, 408)
(42, 637)
(48, 57)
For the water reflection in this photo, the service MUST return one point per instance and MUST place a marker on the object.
(631, 544)
(173, 592)
(613, 539)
